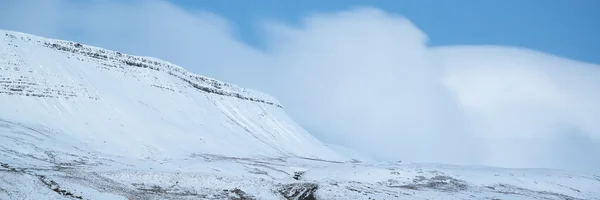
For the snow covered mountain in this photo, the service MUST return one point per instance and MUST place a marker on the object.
(140, 107)
(81, 122)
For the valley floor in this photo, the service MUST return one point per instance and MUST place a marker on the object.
(34, 169)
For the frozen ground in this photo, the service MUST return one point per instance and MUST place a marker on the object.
(81, 122)
(30, 170)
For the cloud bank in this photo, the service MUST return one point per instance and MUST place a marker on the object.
(364, 79)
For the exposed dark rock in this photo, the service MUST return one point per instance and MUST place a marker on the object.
(240, 195)
(438, 182)
(298, 175)
(299, 191)
(56, 187)
(198, 82)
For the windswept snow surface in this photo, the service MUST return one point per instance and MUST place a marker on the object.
(80, 122)
(140, 107)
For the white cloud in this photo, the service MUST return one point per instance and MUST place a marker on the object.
(367, 79)
(364, 78)
(528, 108)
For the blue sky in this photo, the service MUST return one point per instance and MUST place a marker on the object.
(568, 28)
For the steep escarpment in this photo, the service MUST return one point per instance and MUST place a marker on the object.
(111, 60)
(139, 107)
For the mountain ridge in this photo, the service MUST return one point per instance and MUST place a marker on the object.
(197, 81)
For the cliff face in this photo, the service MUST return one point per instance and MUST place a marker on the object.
(138, 106)
(111, 61)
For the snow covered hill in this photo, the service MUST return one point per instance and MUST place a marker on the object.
(139, 107)
(81, 122)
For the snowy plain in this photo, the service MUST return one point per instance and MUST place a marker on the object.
(82, 122)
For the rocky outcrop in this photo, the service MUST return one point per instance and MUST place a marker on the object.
(115, 61)
(299, 191)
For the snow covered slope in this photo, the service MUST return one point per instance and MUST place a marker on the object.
(139, 107)
(80, 122)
